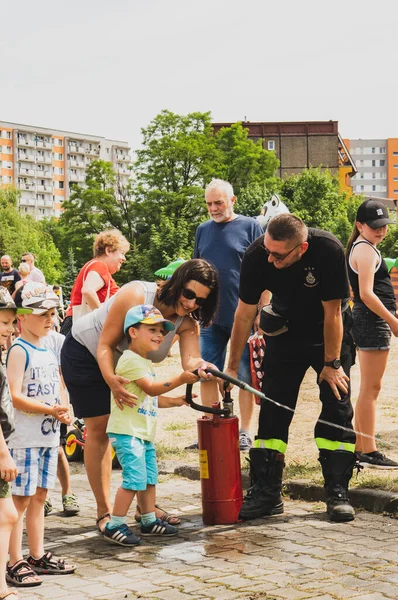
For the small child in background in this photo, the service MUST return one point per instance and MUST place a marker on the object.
(132, 430)
(34, 378)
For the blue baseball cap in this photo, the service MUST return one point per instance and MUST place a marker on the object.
(147, 314)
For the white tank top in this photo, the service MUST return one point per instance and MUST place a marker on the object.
(87, 329)
(41, 383)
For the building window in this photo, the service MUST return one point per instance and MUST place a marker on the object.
(382, 163)
(373, 163)
(373, 188)
(61, 185)
(382, 150)
(373, 175)
(271, 145)
(395, 191)
(395, 178)
(373, 150)
(362, 188)
(395, 166)
(395, 153)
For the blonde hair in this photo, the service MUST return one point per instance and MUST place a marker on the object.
(24, 269)
(112, 239)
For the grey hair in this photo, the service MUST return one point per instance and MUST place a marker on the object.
(220, 184)
(6, 256)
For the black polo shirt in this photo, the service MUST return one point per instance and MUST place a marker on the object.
(298, 290)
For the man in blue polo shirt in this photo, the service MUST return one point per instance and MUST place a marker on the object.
(223, 240)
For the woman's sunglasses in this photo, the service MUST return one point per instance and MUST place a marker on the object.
(190, 295)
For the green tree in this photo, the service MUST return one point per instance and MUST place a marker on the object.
(20, 233)
(242, 161)
(315, 197)
(70, 274)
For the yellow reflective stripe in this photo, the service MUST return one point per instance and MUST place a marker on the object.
(324, 444)
(272, 444)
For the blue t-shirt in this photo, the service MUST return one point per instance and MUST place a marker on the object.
(223, 245)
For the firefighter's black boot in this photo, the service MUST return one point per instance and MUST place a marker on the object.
(337, 467)
(264, 498)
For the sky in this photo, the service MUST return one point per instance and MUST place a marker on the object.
(108, 68)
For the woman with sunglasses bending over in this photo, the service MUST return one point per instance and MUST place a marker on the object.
(96, 341)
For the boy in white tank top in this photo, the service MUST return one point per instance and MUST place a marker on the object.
(34, 379)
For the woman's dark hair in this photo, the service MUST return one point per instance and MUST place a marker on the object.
(199, 270)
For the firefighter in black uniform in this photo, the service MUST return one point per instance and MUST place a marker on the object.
(306, 325)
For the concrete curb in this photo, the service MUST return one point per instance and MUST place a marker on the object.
(372, 500)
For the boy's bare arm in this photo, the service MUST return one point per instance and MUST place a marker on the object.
(15, 375)
(154, 388)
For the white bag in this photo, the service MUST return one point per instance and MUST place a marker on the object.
(79, 310)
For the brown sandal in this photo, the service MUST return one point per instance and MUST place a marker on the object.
(164, 516)
(8, 594)
(98, 521)
(19, 572)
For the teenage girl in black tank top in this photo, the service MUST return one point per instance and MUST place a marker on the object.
(374, 321)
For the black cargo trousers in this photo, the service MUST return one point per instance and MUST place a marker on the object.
(285, 363)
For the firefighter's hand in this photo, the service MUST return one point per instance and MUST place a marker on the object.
(337, 380)
(231, 373)
(120, 394)
(8, 469)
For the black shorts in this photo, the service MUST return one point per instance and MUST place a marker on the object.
(370, 331)
(90, 396)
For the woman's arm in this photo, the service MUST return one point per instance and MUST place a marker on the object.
(112, 333)
(364, 259)
(189, 345)
(91, 285)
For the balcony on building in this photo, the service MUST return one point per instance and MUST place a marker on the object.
(25, 156)
(76, 148)
(23, 185)
(44, 173)
(46, 159)
(44, 188)
(26, 171)
(76, 163)
(93, 151)
(44, 143)
(25, 140)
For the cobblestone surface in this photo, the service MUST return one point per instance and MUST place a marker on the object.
(294, 556)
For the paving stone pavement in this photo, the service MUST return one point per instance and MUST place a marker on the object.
(294, 556)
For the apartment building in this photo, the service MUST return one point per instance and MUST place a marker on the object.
(302, 144)
(45, 163)
(377, 164)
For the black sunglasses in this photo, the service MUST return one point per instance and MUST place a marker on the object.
(280, 257)
(190, 295)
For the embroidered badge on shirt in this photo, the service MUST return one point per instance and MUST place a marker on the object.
(310, 279)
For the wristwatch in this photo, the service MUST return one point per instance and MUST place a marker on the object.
(335, 363)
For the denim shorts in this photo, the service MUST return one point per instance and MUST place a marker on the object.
(213, 349)
(137, 458)
(37, 467)
(370, 331)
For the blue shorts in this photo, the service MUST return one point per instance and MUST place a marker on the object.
(213, 349)
(37, 467)
(137, 458)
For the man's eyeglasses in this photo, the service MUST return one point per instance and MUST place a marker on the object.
(190, 295)
(23, 259)
(280, 257)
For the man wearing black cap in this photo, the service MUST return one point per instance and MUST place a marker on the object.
(305, 271)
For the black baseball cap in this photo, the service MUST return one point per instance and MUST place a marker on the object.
(374, 213)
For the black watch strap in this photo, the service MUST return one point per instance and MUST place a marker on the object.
(335, 363)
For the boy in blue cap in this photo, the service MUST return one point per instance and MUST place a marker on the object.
(132, 430)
